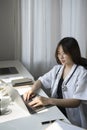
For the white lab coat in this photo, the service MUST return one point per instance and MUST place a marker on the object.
(76, 87)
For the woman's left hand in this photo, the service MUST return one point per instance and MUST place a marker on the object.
(39, 101)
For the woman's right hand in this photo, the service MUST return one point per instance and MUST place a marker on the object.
(27, 95)
(31, 93)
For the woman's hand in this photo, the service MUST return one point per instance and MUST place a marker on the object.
(27, 95)
(39, 101)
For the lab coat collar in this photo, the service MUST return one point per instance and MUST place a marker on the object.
(67, 77)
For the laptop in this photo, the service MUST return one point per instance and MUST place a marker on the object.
(16, 97)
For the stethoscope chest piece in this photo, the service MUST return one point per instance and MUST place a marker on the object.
(64, 88)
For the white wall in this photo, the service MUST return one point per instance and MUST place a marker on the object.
(9, 30)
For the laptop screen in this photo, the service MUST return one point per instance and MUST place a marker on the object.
(8, 70)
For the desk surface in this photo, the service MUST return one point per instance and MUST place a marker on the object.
(18, 112)
(22, 71)
(32, 122)
(18, 119)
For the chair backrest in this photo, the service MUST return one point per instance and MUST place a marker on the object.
(84, 62)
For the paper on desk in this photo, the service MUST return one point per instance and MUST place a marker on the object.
(9, 79)
(60, 125)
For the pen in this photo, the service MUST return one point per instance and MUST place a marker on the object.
(47, 122)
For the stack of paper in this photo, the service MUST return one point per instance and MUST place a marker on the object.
(22, 81)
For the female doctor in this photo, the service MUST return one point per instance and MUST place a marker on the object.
(67, 81)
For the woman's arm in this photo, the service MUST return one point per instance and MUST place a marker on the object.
(64, 102)
(36, 85)
(38, 101)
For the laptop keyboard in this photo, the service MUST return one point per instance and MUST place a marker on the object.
(30, 109)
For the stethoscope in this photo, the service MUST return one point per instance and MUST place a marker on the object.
(64, 87)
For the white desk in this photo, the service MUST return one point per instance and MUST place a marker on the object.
(22, 71)
(17, 119)
(32, 122)
(18, 112)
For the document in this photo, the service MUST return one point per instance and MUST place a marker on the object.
(61, 125)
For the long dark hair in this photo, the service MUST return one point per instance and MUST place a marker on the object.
(70, 46)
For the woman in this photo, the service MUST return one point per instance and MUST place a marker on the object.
(67, 81)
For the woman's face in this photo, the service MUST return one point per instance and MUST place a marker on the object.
(64, 58)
